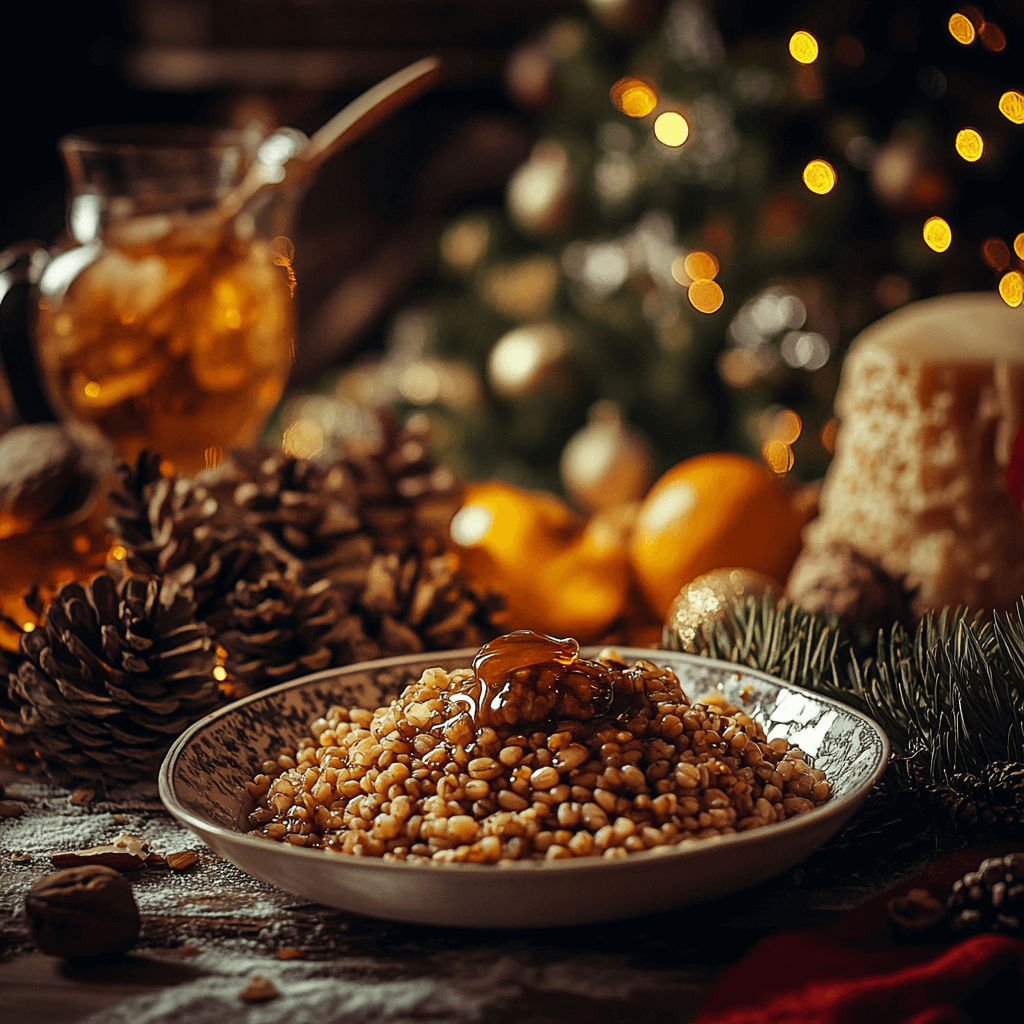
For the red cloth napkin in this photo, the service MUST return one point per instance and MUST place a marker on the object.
(852, 972)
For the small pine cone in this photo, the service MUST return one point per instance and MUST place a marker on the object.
(404, 496)
(423, 603)
(1005, 781)
(114, 672)
(985, 806)
(174, 529)
(990, 899)
(842, 581)
(304, 515)
(277, 629)
(14, 743)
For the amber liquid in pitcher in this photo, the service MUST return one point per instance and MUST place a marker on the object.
(181, 343)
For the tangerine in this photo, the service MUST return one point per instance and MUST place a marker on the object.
(713, 511)
(556, 572)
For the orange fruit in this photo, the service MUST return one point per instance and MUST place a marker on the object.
(556, 572)
(714, 511)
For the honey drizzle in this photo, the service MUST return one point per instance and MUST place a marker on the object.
(485, 696)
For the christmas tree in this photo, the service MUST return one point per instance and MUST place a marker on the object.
(698, 232)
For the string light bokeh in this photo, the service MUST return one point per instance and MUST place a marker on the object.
(881, 144)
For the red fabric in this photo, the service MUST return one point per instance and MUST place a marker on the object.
(853, 972)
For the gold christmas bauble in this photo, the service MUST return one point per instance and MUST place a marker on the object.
(704, 601)
(606, 463)
(522, 290)
(628, 16)
(541, 193)
(525, 358)
(530, 74)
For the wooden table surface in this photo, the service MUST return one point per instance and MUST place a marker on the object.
(212, 927)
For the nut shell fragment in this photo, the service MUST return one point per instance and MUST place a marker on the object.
(258, 990)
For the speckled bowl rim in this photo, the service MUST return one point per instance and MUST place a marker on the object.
(811, 820)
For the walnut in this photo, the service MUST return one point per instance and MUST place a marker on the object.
(83, 911)
(49, 472)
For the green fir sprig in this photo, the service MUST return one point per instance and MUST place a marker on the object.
(949, 694)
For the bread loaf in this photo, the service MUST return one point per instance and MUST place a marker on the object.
(929, 402)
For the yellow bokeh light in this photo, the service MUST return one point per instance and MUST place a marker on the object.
(937, 234)
(1011, 288)
(961, 29)
(996, 253)
(779, 457)
(803, 47)
(820, 177)
(828, 435)
(701, 266)
(706, 296)
(671, 129)
(92, 389)
(220, 673)
(1018, 245)
(969, 144)
(992, 37)
(633, 97)
(786, 426)
(117, 553)
(1011, 106)
(27, 627)
(304, 439)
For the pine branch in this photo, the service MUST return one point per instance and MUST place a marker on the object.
(950, 696)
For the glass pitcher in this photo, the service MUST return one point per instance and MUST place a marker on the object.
(162, 324)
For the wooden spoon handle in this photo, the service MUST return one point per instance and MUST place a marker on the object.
(373, 106)
(369, 109)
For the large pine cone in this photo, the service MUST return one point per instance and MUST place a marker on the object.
(111, 676)
(298, 564)
(327, 518)
(989, 805)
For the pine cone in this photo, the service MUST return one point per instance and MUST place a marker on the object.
(172, 528)
(276, 629)
(304, 515)
(842, 581)
(990, 899)
(111, 676)
(421, 603)
(327, 518)
(985, 806)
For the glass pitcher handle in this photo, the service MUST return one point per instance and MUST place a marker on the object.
(21, 394)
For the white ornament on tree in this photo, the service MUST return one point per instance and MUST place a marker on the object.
(607, 463)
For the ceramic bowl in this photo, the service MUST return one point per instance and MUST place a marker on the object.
(202, 783)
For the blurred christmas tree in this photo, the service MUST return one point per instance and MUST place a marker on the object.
(697, 233)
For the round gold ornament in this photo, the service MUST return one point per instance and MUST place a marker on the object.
(530, 74)
(632, 17)
(704, 601)
(525, 358)
(542, 192)
(607, 463)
